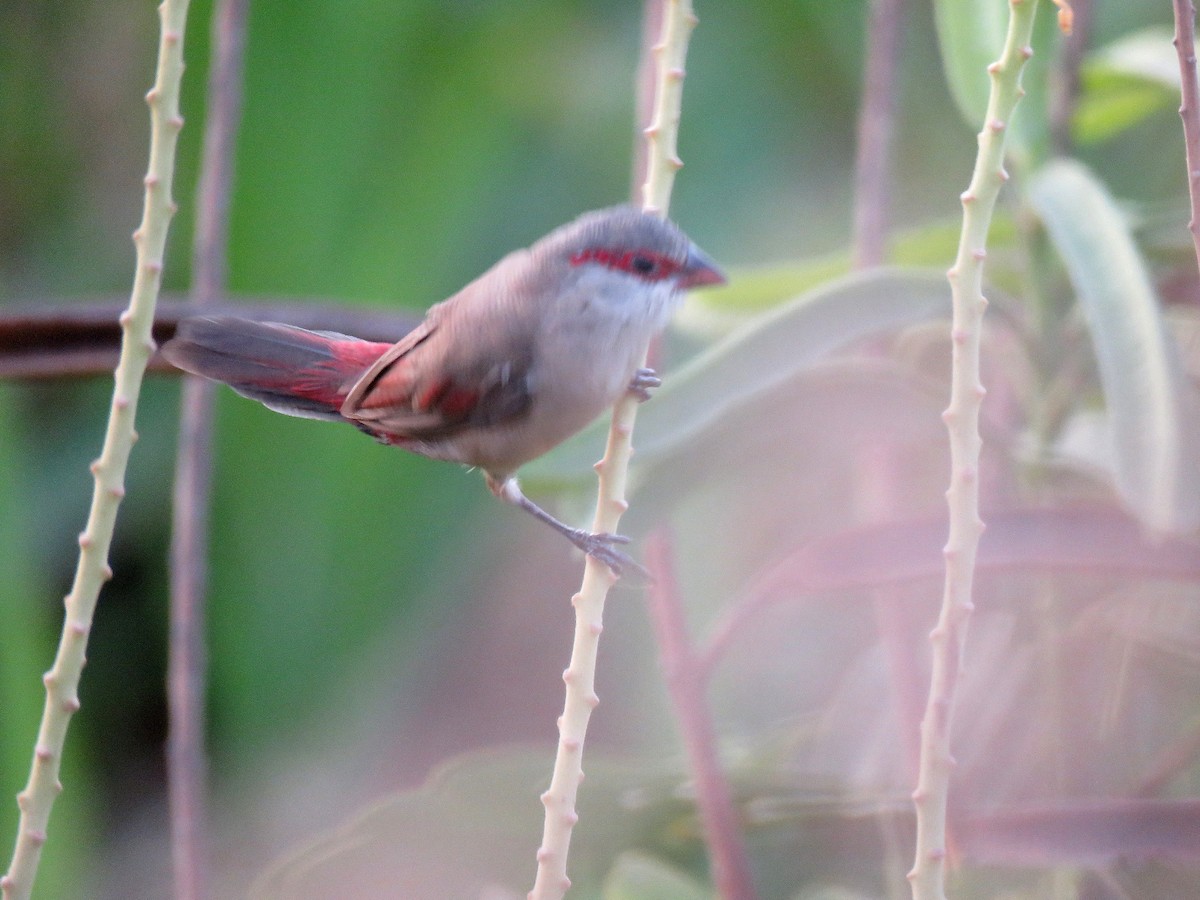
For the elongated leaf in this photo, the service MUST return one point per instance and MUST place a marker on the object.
(970, 35)
(637, 876)
(1152, 408)
(769, 351)
(1125, 82)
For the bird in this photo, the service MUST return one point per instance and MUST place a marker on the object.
(520, 359)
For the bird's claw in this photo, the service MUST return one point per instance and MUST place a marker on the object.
(600, 546)
(644, 381)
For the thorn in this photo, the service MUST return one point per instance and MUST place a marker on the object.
(576, 599)
(592, 700)
(121, 403)
(675, 163)
(544, 854)
(996, 125)
(571, 745)
(175, 122)
(995, 68)
(1026, 52)
(106, 573)
(967, 196)
(546, 798)
(85, 540)
(619, 506)
(150, 180)
(154, 267)
(1002, 174)
(152, 96)
(979, 254)
(36, 836)
(676, 73)
(568, 677)
(958, 335)
(570, 818)
(936, 855)
(595, 628)
(125, 318)
(171, 37)
(71, 705)
(650, 131)
(43, 753)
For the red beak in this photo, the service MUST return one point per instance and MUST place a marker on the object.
(699, 270)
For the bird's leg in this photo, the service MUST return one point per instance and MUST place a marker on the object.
(599, 546)
(644, 380)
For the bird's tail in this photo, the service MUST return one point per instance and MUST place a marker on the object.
(288, 369)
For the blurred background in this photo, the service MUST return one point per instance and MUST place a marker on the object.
(373, 615)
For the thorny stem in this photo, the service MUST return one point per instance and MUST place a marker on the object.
(1189, 107)
(62, 681)
(876, 124)
(186, 769)
(551, 881)
(962, 424)
(731, 873)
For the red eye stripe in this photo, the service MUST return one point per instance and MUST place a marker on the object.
(644, 264)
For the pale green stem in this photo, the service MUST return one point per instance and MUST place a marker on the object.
(62, 681)
(552, 882)
(928, 874)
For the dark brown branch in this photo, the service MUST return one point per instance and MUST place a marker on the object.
(57, 339)
(876, 125)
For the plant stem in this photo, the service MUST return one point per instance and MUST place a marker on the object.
(186, 769)
(62, 681)
(962, 425)
(1189, 107)
(687, 685)
(876, 124)
(662, 163)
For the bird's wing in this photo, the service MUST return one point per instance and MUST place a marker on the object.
(436, 381)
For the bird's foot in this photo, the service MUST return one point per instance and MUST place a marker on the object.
(602, 547)
(644, 381)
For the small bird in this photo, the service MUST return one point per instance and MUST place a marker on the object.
(512, 365)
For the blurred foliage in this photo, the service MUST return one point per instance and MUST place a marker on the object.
(373, 614)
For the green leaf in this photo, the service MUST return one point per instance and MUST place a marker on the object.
(760, 356)
(1124, 83)
(637, 876)
(970, 36)
(1153, 411)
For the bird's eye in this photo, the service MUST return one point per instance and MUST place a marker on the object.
(643, 265)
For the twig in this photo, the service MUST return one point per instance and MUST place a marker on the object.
(1064, 90)
(186, 769)
(1189, 107)
(559, 800)
(962, 425)
(62, 681)
(730, 868)
(876, 125)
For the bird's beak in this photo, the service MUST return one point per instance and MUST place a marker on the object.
(699, 270)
